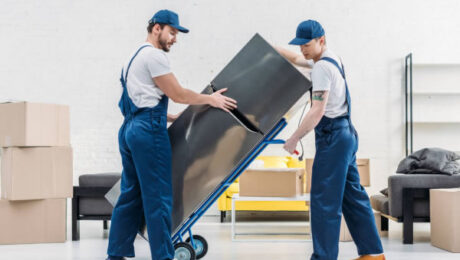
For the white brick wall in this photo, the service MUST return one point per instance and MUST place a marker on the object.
(71, 52)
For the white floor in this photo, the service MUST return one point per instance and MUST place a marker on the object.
(93, 245)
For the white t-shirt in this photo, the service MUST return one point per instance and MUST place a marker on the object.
(149, 63)
(326, 76)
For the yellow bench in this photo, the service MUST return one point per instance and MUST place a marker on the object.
(225, 200)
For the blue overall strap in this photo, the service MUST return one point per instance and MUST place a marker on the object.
(125, 103)
(348, 98)
(124, 80)
(342, 71)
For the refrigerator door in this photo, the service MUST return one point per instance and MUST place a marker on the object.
(264, 83)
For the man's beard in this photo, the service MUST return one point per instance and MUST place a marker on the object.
(163, 44)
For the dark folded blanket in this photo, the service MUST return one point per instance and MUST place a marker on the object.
(430, 160)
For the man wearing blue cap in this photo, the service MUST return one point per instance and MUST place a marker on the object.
(335, 185)
(145, 149)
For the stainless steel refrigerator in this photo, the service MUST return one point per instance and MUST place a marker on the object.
(208, 143)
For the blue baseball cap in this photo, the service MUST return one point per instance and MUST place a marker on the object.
(307, 31)
(168, 17)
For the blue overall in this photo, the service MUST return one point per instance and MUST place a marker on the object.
(336, 188)
(146, 188)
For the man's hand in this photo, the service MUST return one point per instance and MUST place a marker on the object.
(291, 144)
(220, 101)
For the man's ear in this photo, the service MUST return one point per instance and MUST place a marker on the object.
(322, 40)
(157, 28)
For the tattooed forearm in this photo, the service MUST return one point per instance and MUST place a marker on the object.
(318, 95)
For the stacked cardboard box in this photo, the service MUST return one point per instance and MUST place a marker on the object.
(36, 172)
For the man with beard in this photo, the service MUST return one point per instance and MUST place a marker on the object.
(145, 149)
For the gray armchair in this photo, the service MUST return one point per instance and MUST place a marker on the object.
(408, 199)
(89, 203)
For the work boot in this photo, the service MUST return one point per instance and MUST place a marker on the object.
(371, 257)
(115, 258)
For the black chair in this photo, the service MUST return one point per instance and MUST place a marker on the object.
(408, 199)
(89, 203)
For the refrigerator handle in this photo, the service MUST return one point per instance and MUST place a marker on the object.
(246, 123)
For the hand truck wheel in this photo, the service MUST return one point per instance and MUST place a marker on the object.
(201, 246)
(184, 251)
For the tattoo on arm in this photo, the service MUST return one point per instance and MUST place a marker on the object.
(318, 95)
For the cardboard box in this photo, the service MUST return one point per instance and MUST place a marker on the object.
(33, 124)
(32, 221)
(276, 182)
(363, 169)
(308, 170)
(364, 172)
(345, 235)
(445, 219)
(36, 173)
